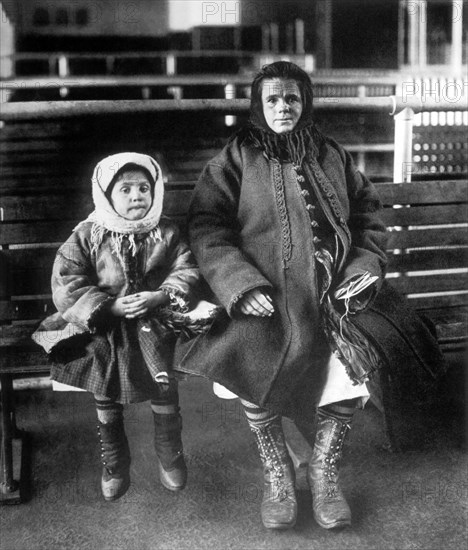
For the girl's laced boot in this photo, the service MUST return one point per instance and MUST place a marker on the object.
(115, 458)
(168, 445)
(279, 505)
(329, 505)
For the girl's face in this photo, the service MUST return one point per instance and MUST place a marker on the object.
(282, 104)
(131, 195)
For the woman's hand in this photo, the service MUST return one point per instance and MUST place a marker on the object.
(256, 302)
(137, 305)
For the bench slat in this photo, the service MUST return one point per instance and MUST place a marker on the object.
(39, 232)
(46, 206)
(27, 309)
(430, 283)
(28, 131)
(450, 300)
(16, 335)
(420, 260)
(45, 144)
(78, 183)
(423, 192)
(17, 184)
(45, 170)
(430, 237)
(425, 215)
(451, 321)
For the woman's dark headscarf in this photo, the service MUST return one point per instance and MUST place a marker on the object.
(287, 71)
(304, 138)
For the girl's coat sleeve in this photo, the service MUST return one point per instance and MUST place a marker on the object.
(214, 233)
(183, 274)
(74, 286)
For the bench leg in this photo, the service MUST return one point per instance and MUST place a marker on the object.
(11, 445)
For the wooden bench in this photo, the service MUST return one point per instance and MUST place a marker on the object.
(428, 236)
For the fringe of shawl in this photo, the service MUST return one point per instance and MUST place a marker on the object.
(294, 146)
(98, 232)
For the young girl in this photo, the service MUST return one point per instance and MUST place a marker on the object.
(113, 282)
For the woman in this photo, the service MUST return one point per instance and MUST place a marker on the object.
(281, 222)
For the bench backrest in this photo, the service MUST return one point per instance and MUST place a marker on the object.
(427, 246)
(427, 250)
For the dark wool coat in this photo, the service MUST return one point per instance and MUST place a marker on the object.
(249, 227)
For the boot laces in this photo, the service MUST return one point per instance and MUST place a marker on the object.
(271, 458)
(330, 466)
(278, 488)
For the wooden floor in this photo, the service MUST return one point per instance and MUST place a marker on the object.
(416, 500)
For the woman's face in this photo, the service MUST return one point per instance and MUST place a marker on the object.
(131, 195)
(282, 104)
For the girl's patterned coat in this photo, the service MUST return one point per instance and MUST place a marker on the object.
(83, 279)
(122, 356)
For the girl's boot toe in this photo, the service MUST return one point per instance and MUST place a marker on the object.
(175, 478)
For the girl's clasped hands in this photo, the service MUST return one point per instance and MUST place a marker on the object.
(137, 305)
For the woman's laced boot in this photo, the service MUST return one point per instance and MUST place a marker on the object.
(329, 505)
(279, 505)
(168, 444)
(115, 458)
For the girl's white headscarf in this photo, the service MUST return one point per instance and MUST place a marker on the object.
(106, 219)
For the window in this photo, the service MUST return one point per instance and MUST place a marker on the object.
(81, 17)
(439, 32)
(41, 17)
(61, 17)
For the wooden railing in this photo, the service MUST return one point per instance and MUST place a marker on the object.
(323, 86)
(404, 161)
(37, 110)
(64, 64)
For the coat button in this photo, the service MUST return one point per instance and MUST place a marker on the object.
(300, 179)
(316, 240)
(310, 207)
(314, 224)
